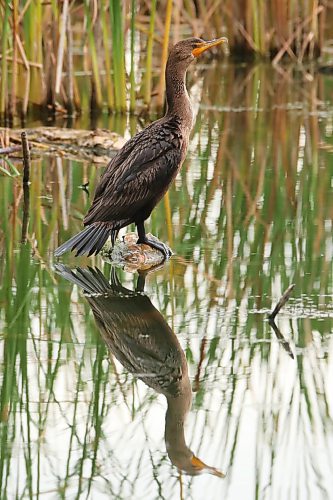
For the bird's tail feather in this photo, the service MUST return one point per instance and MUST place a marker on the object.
(89, 241)
(90, 280)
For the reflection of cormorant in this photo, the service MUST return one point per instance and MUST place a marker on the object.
(139, 337)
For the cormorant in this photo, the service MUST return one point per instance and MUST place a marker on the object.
(139, 337)
(140, 174)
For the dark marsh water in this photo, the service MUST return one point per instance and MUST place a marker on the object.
(250, 213)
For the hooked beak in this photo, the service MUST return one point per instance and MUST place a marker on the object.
(202, 467)
(201, 47)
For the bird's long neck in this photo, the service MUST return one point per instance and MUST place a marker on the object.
(178, 408)
(178, 101)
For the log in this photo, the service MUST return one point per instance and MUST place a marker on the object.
(94, 145)
(133, 257)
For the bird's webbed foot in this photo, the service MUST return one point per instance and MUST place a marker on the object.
(158, 245)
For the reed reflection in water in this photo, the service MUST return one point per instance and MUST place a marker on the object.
(251, 212)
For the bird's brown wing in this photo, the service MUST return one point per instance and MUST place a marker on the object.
(134, 330)
(139, 175)
(116, 162)
(138, 335)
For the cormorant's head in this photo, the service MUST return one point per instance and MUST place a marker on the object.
(188, 463)
(189, 49)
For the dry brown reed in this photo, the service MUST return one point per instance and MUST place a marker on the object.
(44, 45)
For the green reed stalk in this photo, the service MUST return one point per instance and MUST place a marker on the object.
(107, 56)
(12, 102)
(94, 59)
(255, 24)
(36, 48)
(70, 73)
(168, 15)
(26, 35)
(118, 53)
(38, 30)
(132, 75)
(148, 76)
(261, 26)
(55, 9)
(4, 68)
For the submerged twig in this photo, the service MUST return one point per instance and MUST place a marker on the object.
(285, 344)
(281, 302)
(26, 158)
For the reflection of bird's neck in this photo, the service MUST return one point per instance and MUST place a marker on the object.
(178, 408)
(176, 93)
(179, 453)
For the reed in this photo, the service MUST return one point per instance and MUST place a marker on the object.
(118, 54)
(132, 72)
(107, 55)
(11, 171)
(13, 94)
(39, 47)
(70, 104)
(4, 67)
(149, 55)
(96, 93)
(165, 50)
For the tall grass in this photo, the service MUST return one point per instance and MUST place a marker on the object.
(132, 48)
(97, 88)
(165, 48)
(4, 44)
(149, 54)
(12, 101)
(37, 48)
(107, 55)
(117, 30)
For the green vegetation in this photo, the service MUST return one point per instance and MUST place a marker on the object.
(47, 45)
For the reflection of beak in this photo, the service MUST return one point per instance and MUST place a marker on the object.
(201, 47)
(202, 467)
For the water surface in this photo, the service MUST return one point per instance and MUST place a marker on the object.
(250, 213)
